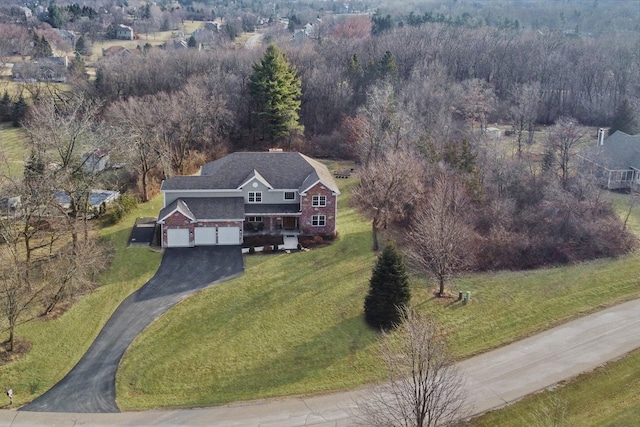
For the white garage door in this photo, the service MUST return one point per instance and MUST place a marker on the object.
(204, 236)
(228, 235)
(178, 237)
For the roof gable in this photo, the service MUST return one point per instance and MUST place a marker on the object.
(255, 175)
(619, 151)
(176, 206)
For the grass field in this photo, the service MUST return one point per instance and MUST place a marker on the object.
(608, 396)
(12, 148)
(293, 325)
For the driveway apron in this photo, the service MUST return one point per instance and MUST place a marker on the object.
(90, 385)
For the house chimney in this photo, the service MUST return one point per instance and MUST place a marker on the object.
(600, 136)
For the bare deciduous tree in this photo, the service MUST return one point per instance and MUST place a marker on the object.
(562, 140)
(63, 131)
(523, 112)
(144, 149)
(440, 233)
(388, 185)
(383, 127)
(425, 388)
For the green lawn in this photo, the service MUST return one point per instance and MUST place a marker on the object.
(59, 343)
(12, 148)
(292, 324)
(608, 396)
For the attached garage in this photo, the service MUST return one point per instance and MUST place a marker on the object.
(229, 236)
(202, 221)
(204, 236)
(178, 238)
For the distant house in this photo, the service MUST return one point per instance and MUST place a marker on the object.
(615, 161)
(212, 26)
(269, 192)
(50, 69)
(96, 161)
(176, 44)
(202, 35)
(124, 32)
(115, 51)
(67, 36)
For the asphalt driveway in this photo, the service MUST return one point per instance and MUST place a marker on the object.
(90, 385)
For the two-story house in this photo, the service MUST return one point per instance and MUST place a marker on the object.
(269, 192)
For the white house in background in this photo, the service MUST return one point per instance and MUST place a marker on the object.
(615, 161)
(124, 32)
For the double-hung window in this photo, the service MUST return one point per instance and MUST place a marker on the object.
(319, 200)
(255, 196)
(318, 220)
(289, 195)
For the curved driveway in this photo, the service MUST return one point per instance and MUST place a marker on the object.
(90, 385)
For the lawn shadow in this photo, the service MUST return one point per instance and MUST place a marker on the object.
(310, 359)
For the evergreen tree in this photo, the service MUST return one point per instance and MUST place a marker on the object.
(380, 24)
(387, 67)
(625, 119)
(276, 90)
(41, 47)
(388, 291)
(5, 107)
(19, 111)
(83, 47)
(54, 15)
(192, 43)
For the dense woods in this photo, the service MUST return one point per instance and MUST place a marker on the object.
(409, 95)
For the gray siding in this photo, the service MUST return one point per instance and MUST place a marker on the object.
(268, 196)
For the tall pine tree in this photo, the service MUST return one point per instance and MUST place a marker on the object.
(388, 291)
(276, 90)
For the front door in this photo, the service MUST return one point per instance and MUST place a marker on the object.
(290, 223)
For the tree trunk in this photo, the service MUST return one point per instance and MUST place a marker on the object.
(441, 290)
(374, 235)
(12, 328)
(145, 194)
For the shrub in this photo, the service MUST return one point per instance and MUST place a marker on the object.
(125, 204)
(252, 250)
(267, 249)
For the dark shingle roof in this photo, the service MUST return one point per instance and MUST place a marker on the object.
(207, 207)
(269, 209)
(283, 170)
(619, 151)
